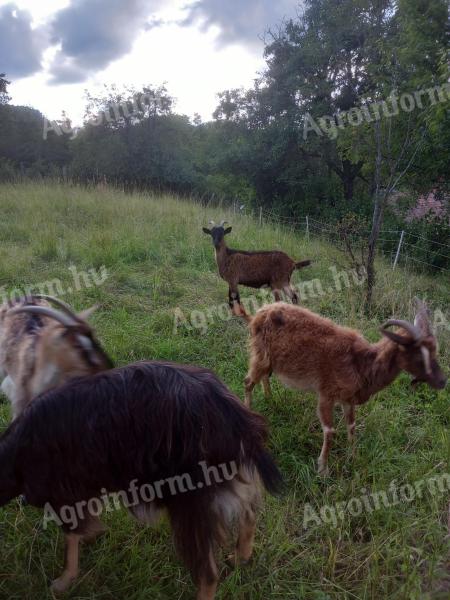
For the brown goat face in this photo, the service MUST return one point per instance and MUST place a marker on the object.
(420, 360)
(217, 233)
(418, 355)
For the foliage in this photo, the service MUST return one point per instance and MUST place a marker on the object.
(4, 98)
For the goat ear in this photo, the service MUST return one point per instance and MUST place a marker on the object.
(422, 318)
(85, 315)
(398, 339)
(206, 230)
(227, 230)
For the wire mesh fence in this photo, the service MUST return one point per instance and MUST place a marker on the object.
(401, 247)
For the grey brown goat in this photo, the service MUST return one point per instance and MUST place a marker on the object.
(41, 348)
(253, 269)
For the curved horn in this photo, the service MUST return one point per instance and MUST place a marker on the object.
(212, 223)
(409, 327)
(45, 311)
(59, 303)
(222, 223)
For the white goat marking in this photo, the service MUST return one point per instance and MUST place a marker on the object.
(305, 383)
(426, 359)
(327, 429)
(85, 342)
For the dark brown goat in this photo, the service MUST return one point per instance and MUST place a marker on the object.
(253, 269)
(306, 351)
(133, 426)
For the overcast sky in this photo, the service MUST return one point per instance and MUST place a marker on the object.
(52, 50)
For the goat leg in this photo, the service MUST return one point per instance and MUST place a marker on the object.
(94, 529)
(244, 547)
(291, 293)
(325, 411)
(249, 387)
(71, 568)
(233, 299)
(277, 294)
(349, 414)
(207, 588)
(266, 386)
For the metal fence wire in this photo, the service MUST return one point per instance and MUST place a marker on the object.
(400, 246)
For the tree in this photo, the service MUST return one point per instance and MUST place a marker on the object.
(318, 66)
(4, 98)
(399, 145)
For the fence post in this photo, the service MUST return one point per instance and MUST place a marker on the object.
(260, 216)
(307, 227)
(398, 250)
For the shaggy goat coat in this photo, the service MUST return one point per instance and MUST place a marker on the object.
(147, 422)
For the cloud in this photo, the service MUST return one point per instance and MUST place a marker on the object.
(94, 33)
(241, 21)
(21, 47)
(155, 22)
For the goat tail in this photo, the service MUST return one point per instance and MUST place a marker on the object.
(268, 472)
(302, 263)
(256, 457)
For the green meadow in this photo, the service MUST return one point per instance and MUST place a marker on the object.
(160, 268)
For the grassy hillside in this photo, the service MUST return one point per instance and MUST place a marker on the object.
(160, 268)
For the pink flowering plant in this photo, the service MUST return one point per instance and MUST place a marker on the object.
(427, 221)
(430, 207)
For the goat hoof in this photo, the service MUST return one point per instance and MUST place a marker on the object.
(60, 585)
(233, 561)
(323, 471)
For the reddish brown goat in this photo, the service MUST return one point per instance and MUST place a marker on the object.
(309, 352)
(253, 269)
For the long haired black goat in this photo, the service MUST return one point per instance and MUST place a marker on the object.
(143, 423)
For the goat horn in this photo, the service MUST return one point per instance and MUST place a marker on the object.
(212, 223)
(409, 327)
(222, 223)
(65, 307)
(45, 311)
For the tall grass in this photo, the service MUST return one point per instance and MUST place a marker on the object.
(159, 260)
